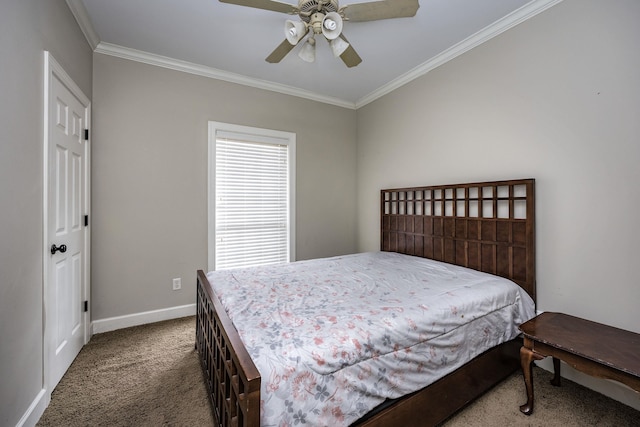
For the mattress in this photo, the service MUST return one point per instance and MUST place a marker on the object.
(334, 337)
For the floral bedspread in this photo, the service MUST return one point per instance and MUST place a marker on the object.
(333, 338)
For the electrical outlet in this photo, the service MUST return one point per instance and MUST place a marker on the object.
(177, 284)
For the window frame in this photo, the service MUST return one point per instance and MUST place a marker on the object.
(257, 135)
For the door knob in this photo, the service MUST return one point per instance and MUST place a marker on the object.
(61, 248)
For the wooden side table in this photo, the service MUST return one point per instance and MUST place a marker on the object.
(593, 348)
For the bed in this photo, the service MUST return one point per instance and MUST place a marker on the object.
(461, 229)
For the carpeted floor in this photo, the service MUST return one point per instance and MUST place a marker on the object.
(142, 376)
(150, 376)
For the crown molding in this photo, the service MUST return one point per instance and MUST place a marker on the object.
(201, 70)
(79, 12)
(522, 14)
(509, 21)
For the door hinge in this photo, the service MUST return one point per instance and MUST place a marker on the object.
(86, 134)
(86, 306)
(86, 220)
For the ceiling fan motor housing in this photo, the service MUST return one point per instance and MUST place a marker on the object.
(308, 8)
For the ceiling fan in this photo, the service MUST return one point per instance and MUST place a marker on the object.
(326, 18)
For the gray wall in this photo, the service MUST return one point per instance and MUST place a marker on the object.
(27, 28)
(556, 98)
(150, 178)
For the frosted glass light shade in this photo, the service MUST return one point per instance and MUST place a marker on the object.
(308, 51)
(294, 31)
(332, 25)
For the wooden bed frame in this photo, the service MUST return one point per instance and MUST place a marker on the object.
(487, 226)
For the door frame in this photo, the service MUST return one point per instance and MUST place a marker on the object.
(52, 69)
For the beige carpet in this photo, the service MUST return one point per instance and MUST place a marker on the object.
(142, 376)
(150, 376)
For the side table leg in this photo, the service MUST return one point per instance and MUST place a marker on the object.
(556, 372)
(527, 356)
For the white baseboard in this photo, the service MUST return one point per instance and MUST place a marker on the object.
(136, 319)
(35, 410)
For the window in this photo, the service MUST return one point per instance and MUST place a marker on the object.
(251, 196)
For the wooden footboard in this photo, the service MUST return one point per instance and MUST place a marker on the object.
(232, 378)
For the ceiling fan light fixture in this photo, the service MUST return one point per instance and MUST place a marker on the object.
(338, 46)
(332, 25)
(308, 51)
(294, 31)
(326, 17)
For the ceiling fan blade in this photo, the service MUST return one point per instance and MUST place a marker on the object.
(273, 5)
(382, 9)
(350, 57)
(280, 52)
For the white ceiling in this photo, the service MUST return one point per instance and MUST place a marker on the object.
(231, 42)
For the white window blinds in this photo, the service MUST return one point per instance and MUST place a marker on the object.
(252, 201)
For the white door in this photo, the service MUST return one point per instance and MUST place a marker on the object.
(66, 240)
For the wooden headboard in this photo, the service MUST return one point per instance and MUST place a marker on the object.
(487, 226)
